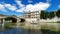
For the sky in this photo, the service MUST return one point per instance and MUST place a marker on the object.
(18, 7)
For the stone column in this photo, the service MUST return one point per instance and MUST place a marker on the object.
(0, 21)
(18, 20)
(3, 23)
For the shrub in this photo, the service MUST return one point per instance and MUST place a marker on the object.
(58, 21)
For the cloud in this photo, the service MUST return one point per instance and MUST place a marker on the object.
(21, 6)
(19, 3)
(30, 7)
(10, 7)
(2, 8)
(58, 6)
(20, 10)
(37, 7)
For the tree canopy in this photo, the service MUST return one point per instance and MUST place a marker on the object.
(50, 15)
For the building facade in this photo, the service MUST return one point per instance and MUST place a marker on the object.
(33, 15)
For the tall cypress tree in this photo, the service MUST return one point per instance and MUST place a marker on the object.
(58, 13)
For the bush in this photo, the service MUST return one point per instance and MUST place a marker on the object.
(58, 21)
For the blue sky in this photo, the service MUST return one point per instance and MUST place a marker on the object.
(17, 7)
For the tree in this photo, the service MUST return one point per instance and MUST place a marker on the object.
(44, 15)
(51, 15)
(58, 13)
(14, 15)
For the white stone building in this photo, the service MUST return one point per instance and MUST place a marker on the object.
(32, 16)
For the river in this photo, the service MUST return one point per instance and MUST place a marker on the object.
(29, 31)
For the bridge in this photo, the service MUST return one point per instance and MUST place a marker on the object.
(13, 18)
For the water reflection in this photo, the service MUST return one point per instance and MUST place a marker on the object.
(13, 31)
(29, 31)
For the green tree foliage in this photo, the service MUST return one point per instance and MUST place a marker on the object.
(14, 15)
(58, 13)
(51, 15)
(44, 15)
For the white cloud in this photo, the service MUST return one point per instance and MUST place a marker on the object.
(30, 7)
(19, 3)
(20, 10)
(21, 6)
(2, 8)
(37, 6)
(10, 7)
(58, 6)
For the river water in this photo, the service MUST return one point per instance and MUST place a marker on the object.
(25, 31)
